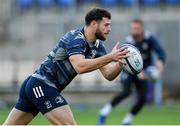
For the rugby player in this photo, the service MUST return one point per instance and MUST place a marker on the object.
(78, 51)
(149, 46)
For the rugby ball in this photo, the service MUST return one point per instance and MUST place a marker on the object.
(134, 63)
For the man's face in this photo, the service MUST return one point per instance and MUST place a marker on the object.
(103, 29)
(137, 31)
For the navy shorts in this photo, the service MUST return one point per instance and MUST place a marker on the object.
(35, 96)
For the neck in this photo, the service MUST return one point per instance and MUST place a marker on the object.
(89, 35)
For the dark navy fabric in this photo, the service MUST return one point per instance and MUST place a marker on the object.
(148, 46)
(35, 96)
(23, 103)
(56, 70)
(41, 91)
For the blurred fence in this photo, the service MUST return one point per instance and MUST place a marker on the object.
(13, 73)
(27, 36)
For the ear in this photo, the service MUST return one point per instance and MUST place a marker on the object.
(94, 23)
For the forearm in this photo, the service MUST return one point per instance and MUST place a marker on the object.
(83, 65)
(112, 71)
(88, 65)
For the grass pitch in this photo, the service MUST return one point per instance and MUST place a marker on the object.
(151, 115)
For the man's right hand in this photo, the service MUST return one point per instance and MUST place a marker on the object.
(119, 53)
(82, 64)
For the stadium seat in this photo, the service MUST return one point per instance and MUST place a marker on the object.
(109, 2)
(129, 2)
(87, 1)
(25, 3)
(45, 3)
(65, 3)
(173, 2)
(151, 2)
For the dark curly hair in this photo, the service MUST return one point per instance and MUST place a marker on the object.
(96, 14)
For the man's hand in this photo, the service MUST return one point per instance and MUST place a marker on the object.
(118, 53)
(83, 65)
(112, 70)
(141, 75)
(160, 66)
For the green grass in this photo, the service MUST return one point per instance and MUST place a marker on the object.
(151, 115)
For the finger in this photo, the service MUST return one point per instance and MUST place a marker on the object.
(122, 62)
(117, 45)
(123, 52)
(123, 56)
(123, 48)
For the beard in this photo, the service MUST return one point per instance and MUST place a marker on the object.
(99, 35)
(137, 37)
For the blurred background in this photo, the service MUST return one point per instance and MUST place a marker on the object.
(30, 28)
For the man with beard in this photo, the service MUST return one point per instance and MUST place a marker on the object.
(78, 51)
(148, 45)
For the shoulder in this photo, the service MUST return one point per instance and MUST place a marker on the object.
(76, 34)
(73, 35)
(73, 38)
(150, 36)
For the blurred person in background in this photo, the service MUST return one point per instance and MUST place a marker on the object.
(78, 51)
(148, 45)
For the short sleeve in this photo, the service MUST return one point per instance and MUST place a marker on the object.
(76, 46)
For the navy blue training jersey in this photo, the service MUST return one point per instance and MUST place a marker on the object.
(148, 46)
(56, 70)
